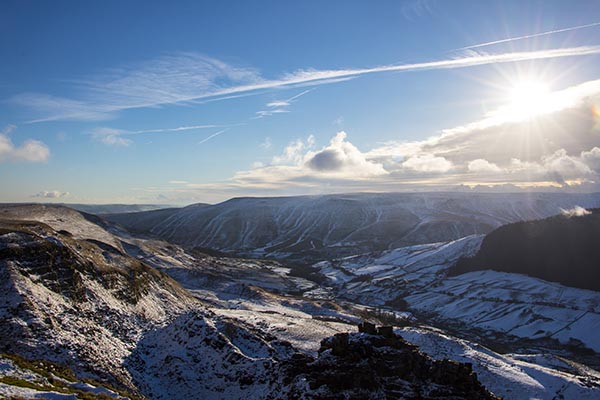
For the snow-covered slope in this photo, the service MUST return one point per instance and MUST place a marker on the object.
(325, 227)
(81, 293)
(504, 308)
(511, 376)
(87, 305)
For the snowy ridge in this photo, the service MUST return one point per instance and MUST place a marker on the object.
(326, 227)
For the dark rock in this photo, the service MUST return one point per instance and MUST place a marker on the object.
(367, 327)
(386, 331)
(384, 366)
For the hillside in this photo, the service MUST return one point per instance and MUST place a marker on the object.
(562, 249)
(313, 228)
(81, 317)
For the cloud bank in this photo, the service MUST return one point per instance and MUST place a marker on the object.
(551, 149)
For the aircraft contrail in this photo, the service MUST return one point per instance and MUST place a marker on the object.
(573, 28)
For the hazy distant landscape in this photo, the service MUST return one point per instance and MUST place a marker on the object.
(309, 200)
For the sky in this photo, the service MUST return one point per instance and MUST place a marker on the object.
(201, 101)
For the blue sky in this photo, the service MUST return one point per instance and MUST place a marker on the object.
(182, 102)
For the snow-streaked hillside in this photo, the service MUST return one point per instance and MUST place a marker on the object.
(494, 305)
(325, 227)
(82, 293)
(511, 376)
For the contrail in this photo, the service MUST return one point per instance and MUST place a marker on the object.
(212, 136)
(475, 46)
(178, 129)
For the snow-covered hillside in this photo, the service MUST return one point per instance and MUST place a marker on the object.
(325, 227)
(86, 295)
(501, 307)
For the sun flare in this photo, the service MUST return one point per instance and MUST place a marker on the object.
(526, 98)
(529, 94)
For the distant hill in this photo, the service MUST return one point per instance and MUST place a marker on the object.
(115, 208)
(313, 228)
(561, 249)
(141, 221)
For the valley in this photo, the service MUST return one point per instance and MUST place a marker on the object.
(136, 315)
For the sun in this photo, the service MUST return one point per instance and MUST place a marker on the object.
(528, 98)
(529, 93)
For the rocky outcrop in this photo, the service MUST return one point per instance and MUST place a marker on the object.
(380, 365)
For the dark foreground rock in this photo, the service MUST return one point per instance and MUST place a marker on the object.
(374, 366)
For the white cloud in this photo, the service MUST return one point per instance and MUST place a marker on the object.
(51, 194)
(110, 137)
(30, 151)
(293, 153)
(562, 167)
(175, 182)
(266, 113)
(428, 163)
(480, 165)
(576, 211)
(342, 157)
(592, 158)
(190, 77)
(278, 103)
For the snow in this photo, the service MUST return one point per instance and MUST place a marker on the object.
(325, 227)
(223, 336)
(512, 376)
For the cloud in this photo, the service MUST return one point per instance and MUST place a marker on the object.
(428, 163)
(51, 194)
(592, 159)
(556, 149)
(576, 211)
(178, 182)
(343, 157)
(118, 137)
(280, 106)
(480, 165)
(278, 103)
(266, 145)
(110, 137)
(416, 8)
(191, 77)
(266, 113)
(30, 151)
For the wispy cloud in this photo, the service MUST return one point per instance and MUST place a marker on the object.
(178, 129)
(416, 8)
(266, 145)
(118, 137)
(280, 106)
(534, 35)
(187, 77)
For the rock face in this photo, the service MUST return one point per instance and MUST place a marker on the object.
(374, 366)
(559, 249)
